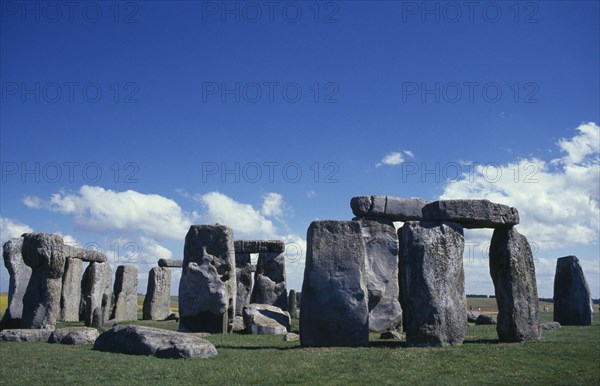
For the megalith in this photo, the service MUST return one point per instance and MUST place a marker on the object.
(572, 297)
(125, 293)
(269, 280)
(96, 294)
(292, 304)
(157, 302)
(334, 309)
(41, 303)
(243, 272)
(432, 280)
(71, 290)
(513, 274)
(19, 274)
(208, 288)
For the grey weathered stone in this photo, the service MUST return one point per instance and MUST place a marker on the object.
(513, 274)
(266, 319)
(157, 302)
(259, 246)
(208, 288)
(25, 335)
(238, 324)
(550, 325)
(141, 340)
(472, 316)
(70, 298)
(74, 335)
(41, 303)
(170, 263)
(291, 337)
(269, 280)
(96, 294)
(391, 335)
(432, 280)
(484, 319)
(334, 309)
(572, 297)
(390, 207)
(381, 273)
(125, 293)
(471, 213)
(243, 271)
(292, 304)
(19, 274)
(88, 255)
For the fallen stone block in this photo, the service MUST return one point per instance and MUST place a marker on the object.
(74, 335)
(25, 335)
(266, 319)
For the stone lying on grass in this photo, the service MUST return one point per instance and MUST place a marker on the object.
(486, 319)
(25, 335)
(266, 319)
(472, 316)
(390, 335)
(291, 337)
(141, 340)
(550, 326)
(74, 335)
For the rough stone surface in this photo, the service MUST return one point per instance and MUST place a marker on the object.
(141, 340)
(390, 207)
(334, 309)
(381, 273)
(291, 337)
(513, 274)
(432, 280)
(88, 255)
(391, 335)
(572, 297)
(472, 316)
(238, 324)
(41, 303)
(74, 335)
(259, 246)
(269, 280)
(550, 326)
(484, 319)
(208, 288)
(25, 335)
(243, 272)
(125, 292)
(292, 304)
(71, 290)
(96, 294)
(266, 319)
(157, 302)
(471, 213)
(170, 263)
(19, 274)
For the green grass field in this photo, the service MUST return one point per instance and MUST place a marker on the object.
(570, 355)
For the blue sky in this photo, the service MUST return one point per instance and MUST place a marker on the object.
(122, 123)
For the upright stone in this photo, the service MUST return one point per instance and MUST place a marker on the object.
(71, 290)
(513, 273)
(292, 305)
(381, 273)
(125, 291)
(269, 280)
(208, 288)
(157, 303)
(572, 298)
(334, 308)
(432, 280)
(19, 274)
(96, 288)
(41, 303)
(243, 272)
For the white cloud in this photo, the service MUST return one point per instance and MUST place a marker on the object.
(273, 205)
(10, 228)
(394, 158)
(558, 201)
(409, 153)
(101, 210)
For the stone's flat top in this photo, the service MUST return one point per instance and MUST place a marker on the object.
(88, 255)
(471, 213)
(393, 208)
(258, 246)
(170, 263)
(25, 335)
(141, 340)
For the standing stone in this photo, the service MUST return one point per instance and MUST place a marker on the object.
(157, 303)
(208, 288)
(19, 274)
(243, 272)
(96, 288)
(381, 273)
(572, 298)
(513, 273)
(269, 280)
(292, 308)
(334, 294)
(125, 291)
(433, 283)
(41, 303)
(71, 290)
